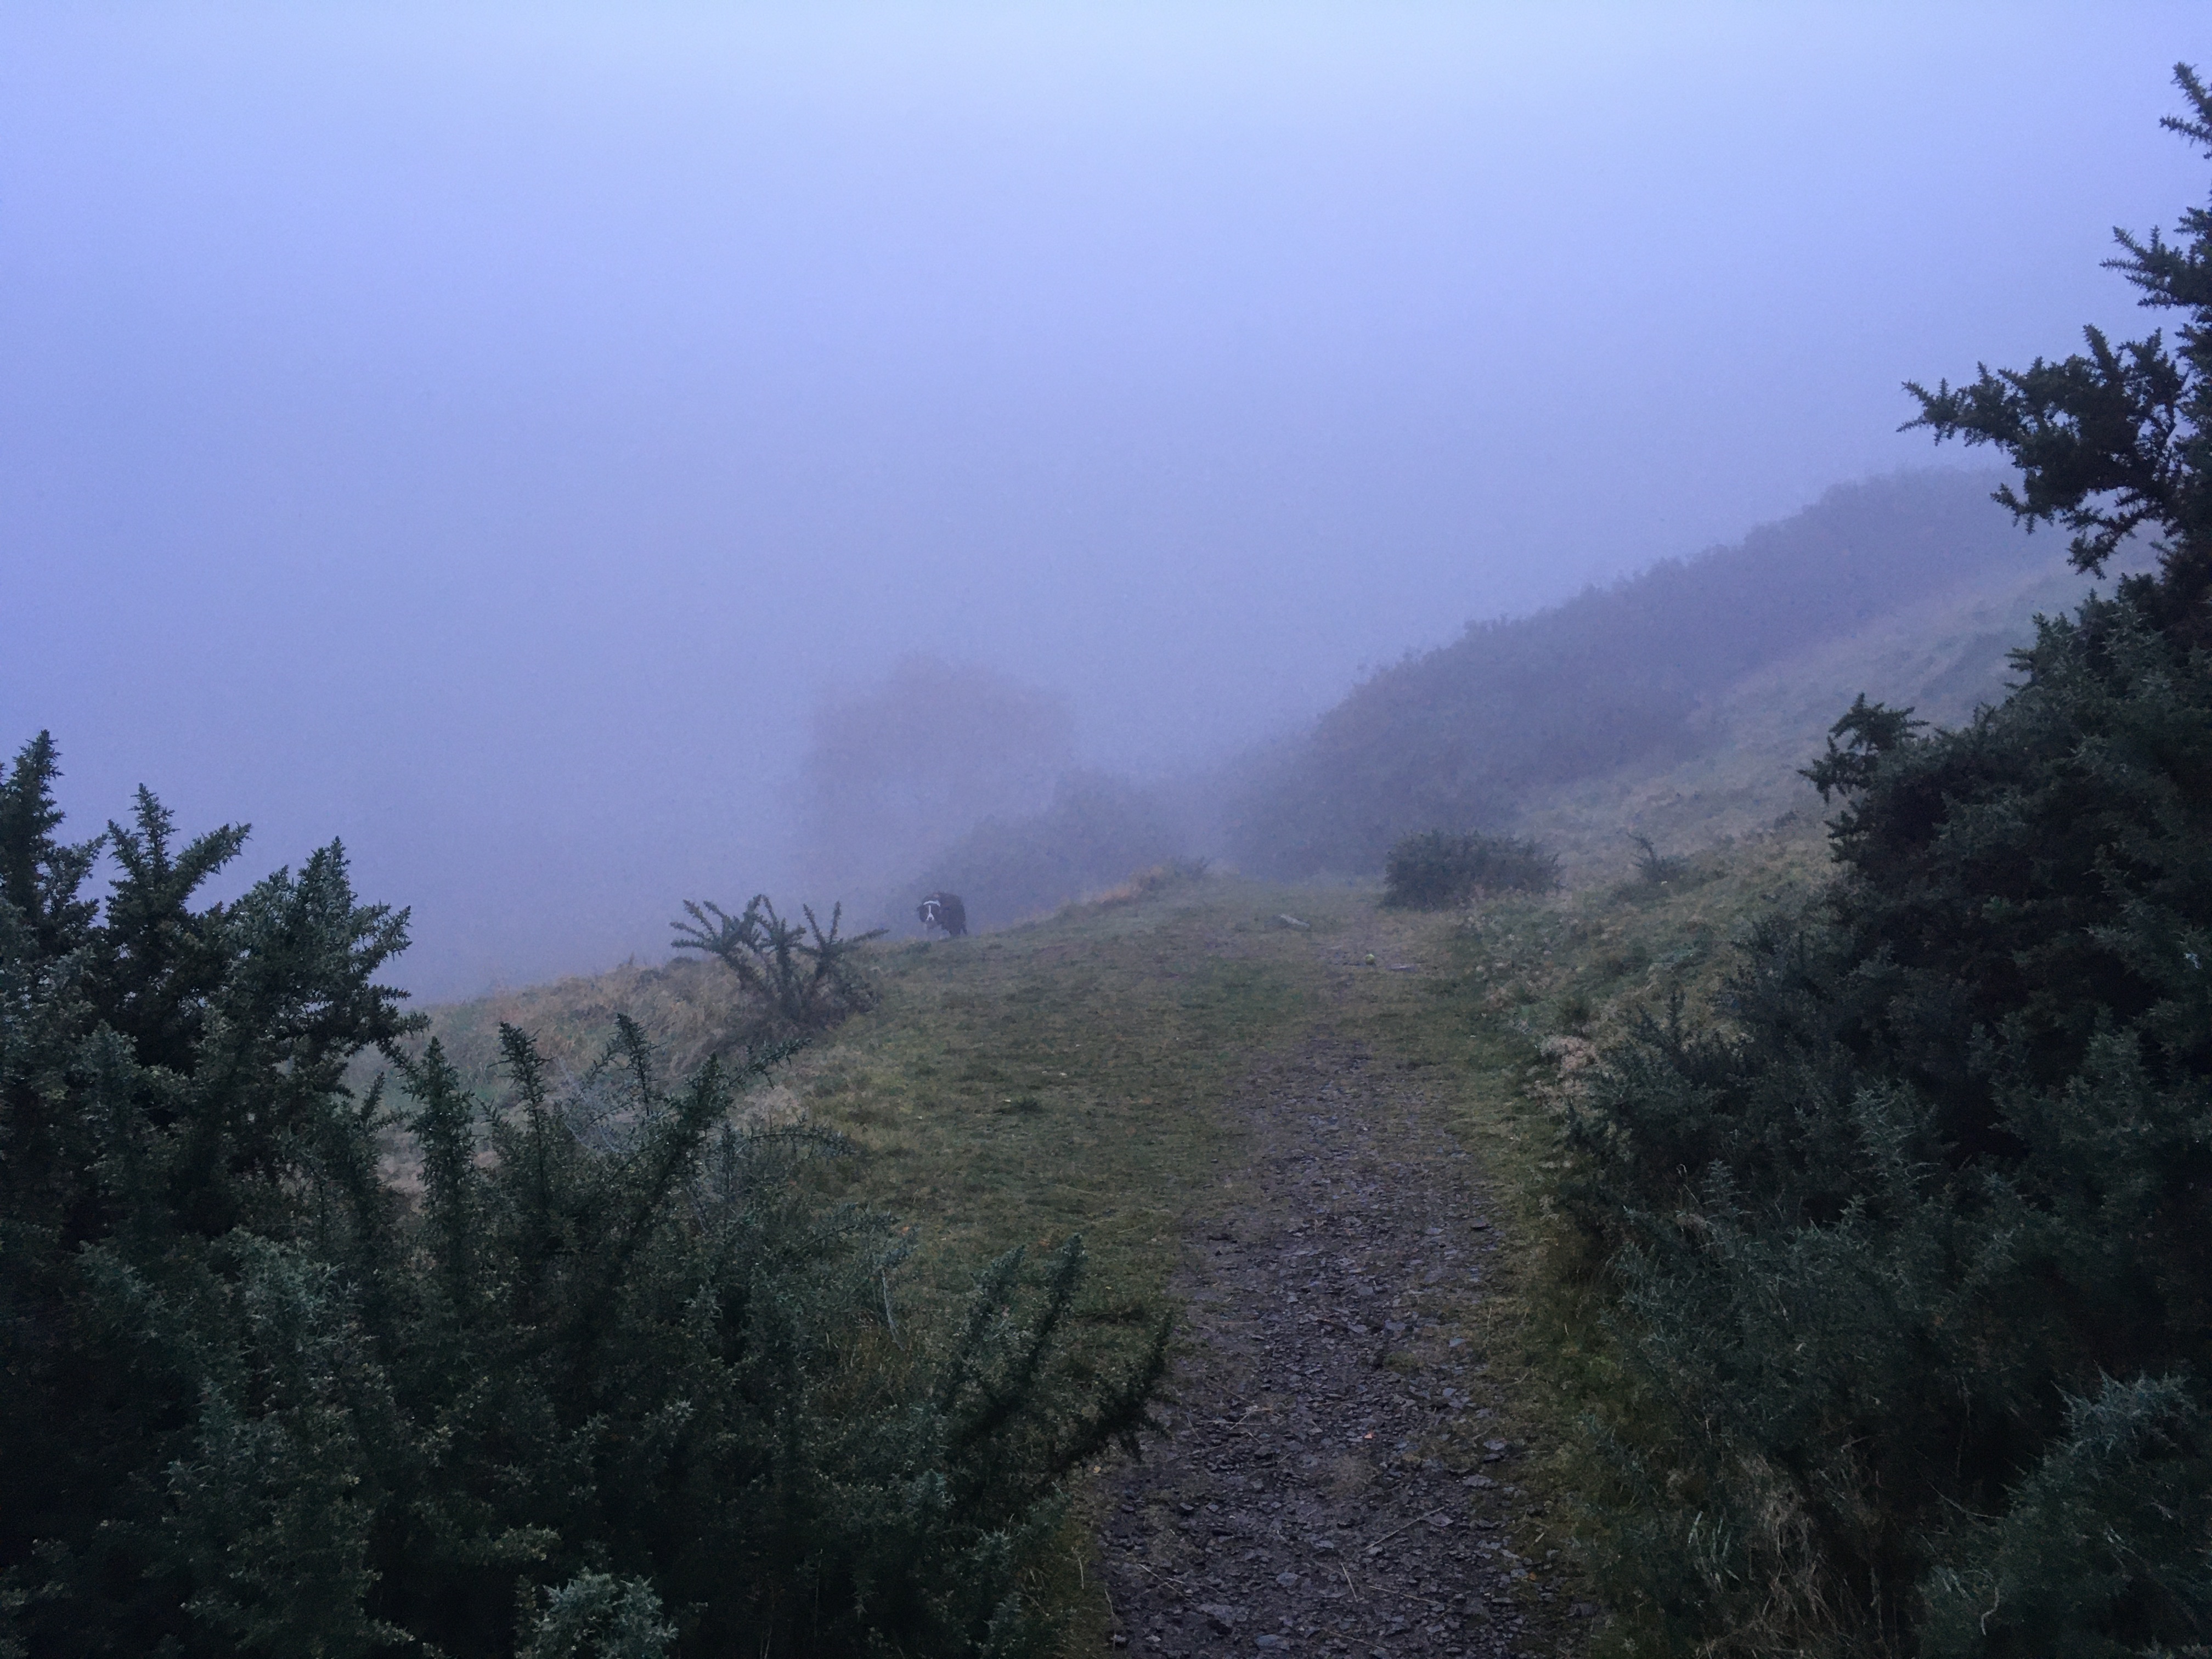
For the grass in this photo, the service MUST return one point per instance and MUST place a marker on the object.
(1008, 1089)
(1943, 654)
(1066, 1075)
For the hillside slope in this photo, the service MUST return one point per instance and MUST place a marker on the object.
(1942, 655)
(1624, 679)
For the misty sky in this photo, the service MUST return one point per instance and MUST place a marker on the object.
(483, 433)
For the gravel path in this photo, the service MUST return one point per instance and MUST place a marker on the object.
(1342, 1476)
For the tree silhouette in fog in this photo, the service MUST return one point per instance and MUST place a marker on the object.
(899, 771)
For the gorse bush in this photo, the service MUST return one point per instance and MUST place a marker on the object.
(1435, 869)
(1911, 1250)
(591, 1374)
(797, 978)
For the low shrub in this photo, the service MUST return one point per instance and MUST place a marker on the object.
(1437, 869)
(1906, 1248)
(1653, 867)
(601, 1375)
(797, 978)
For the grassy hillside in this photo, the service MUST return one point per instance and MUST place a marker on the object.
(1678, 703)
(1094, 1071)
(1081, 1074)
(1096, 830)
(1617, 680)
(1008, 1089)
(1942, 655)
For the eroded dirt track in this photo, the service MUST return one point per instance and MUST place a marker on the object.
(1341, 1475)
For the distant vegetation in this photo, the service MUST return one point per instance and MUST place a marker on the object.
(1459, 735)
(1907, 1246)
(896, 772)
(1435, 869)
(293, 1369)
(1653, 865)
(1097, 833)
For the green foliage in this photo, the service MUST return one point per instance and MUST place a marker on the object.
(594, 1614)
(1869, 731)
(2109, 442)
(1907, 1251)
(597, 1376)
(2105, 1540)
(1435, 869)
(797, 978)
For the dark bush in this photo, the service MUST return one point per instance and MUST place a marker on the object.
(1909, 1250)
(1436, 870)
(1653, 867)
(796, 979)
(292, 1372)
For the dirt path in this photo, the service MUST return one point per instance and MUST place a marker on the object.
(1342, 1476)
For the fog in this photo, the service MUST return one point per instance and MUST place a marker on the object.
(505, 437)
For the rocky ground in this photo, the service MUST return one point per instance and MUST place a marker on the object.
(1343, 1473)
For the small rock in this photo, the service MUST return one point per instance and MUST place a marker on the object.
(1269, 1642)
(1223, 1617)
(1287, 1580)
(1582, 1610)
(1118, 1639)
(1494, 1445)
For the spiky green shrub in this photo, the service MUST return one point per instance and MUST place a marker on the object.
(796, 978)
(292, 1370)
(1909, 1247)
(1941, 1161)
(1436, 870)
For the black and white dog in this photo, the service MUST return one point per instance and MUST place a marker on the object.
(944, 910)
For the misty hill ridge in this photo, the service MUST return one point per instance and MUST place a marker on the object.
(1625, 679)
(1941, 656)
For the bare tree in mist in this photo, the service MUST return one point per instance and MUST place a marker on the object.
(899, 772)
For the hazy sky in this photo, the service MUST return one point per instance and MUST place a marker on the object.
(483, 432)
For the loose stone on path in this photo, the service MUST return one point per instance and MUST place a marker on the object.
(1334, 1482)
